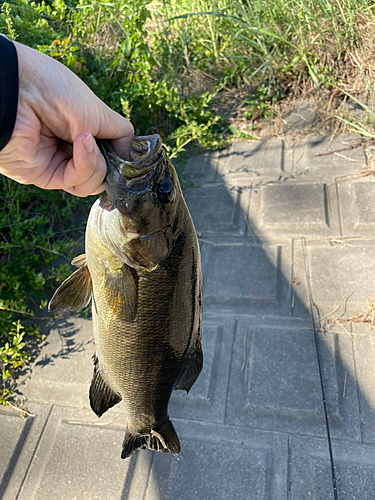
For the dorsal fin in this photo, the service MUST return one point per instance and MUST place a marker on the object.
(79, 260)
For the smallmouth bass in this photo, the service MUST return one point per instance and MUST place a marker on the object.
(141, 271)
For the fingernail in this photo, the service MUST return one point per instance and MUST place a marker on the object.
(90, 145)
(96, 148)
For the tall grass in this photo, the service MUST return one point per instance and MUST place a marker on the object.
(234, 39)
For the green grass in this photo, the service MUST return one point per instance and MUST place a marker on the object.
(169, 67)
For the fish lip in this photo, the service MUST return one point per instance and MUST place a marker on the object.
(145, 152)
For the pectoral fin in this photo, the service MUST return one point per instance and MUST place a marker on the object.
(74, 293)
(121, 288)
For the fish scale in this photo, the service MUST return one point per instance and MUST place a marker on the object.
(144, 339)
(142, 272)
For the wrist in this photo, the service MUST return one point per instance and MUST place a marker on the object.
(8, 90)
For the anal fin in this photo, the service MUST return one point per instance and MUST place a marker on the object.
(102, 396)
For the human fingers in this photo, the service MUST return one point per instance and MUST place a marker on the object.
(82, 174)
(117, 129)
(85, 172)
(65, 105)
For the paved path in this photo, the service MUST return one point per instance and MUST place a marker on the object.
(253, 425)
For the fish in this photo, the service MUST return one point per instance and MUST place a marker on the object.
(141, 271)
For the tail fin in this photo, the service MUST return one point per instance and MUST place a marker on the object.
(165, 440)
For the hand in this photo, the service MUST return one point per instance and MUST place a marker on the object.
(55, 104)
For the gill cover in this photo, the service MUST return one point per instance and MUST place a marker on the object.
(146, 192)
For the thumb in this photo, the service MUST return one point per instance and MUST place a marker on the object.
(117, 129)
(85, 172)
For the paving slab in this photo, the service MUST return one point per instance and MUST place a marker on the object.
(217, 210)
(338, 270)
(78, 459)
(202, 168)
(249, 160)
(19, 437)
(219, 463)
(357, 208)
(312, 161)
(206, 399)
(364, 351)
(310, 476)
(63, 370)
(254, 277)
(275, 385)
(295, 209)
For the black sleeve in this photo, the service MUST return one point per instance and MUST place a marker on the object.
(8, 89)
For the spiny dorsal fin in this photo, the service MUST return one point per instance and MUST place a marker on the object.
(74, 293)
(121, 288)
(102, 396)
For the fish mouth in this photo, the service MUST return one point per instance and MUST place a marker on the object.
(145, 152)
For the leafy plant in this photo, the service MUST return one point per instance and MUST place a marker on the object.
(36, 227)
(12, 356)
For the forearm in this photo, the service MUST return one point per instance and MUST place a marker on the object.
(8, 89)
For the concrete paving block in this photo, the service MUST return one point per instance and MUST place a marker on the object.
(205, 249)
(218, 210)
(206, 399)
(357, 207)
(63, 370)
(252, 159)
(302, 117)
(338, 271)
(220, 463)
(77, 459)
(275, 384)
(288, 158)
(310, 476)
(248, 278)
(338, 164)
(340, 385)
(201, 168)
(356, 325)
(295, 210)
(364, 349)
(19, 438)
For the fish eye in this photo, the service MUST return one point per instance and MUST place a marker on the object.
(165, 188)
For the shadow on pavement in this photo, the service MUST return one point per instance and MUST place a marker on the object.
(68, 340)
(255, 285)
